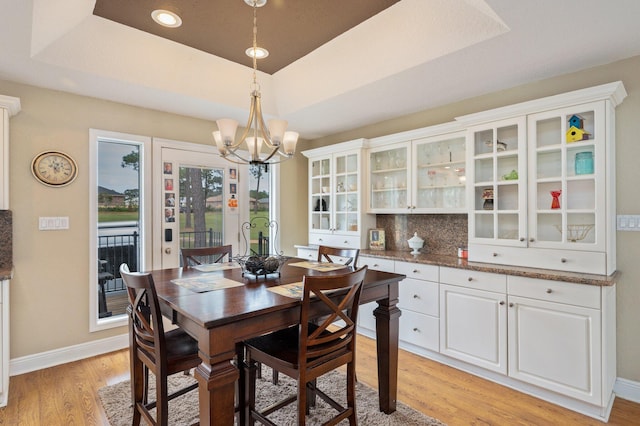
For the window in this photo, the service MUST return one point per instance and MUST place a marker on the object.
(117, 221)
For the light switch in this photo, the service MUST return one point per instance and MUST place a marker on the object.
(628, 222)
(46, 223)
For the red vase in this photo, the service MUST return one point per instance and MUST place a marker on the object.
(555, 202)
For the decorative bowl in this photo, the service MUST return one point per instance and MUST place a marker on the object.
(415, 243)
(577, 232)
(255, 266)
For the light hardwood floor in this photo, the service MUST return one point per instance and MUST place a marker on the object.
(67, 394)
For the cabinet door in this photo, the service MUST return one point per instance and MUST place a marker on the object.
(473, 326)
(439, 181)
(567, 160)
(389, 179)
(557, 347)
(320, 184)
(498, 175)
(347, 205)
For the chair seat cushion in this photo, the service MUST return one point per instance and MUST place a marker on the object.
(180, 345)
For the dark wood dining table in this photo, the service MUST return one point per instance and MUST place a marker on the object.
(220, 319)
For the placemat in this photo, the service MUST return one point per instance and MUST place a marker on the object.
(212, 267)
(319, 266)
(293, 290)
(206, 283)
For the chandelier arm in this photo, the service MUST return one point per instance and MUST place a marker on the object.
(261, 125)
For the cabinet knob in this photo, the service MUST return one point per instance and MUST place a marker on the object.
(415, 271)
(320, 239)
(346, 242)
(522, 239)
(531, 240)
(563, 260)
(549, 291)
(413, 207)
(375, 265)
(511, 305)
(502, 303)
(415, 296)
(470, 279)
(416, 329)
(494, 254)
(408, 207)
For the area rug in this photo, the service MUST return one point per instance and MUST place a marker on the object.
(116, 401)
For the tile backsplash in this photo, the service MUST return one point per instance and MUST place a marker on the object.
(6, 239)
(442, 233)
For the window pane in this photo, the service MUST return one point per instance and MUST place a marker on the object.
(118, 222)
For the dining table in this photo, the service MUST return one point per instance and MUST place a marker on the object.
(221, 306)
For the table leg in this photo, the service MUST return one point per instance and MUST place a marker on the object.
(216, 388)
(387, 324)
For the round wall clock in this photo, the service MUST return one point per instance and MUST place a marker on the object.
(54, 168)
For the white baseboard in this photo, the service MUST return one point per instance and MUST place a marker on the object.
(627, 389)
(54, 357)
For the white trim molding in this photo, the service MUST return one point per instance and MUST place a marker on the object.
(627, 389)
(29, 363)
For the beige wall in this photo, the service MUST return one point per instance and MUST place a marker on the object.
(49, 293)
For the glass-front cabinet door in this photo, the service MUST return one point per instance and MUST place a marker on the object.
(497, 192)
(567, 182)
(321, 202)
(347, 201)
(439, 179)
(389, 179)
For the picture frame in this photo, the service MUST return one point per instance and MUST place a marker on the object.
(376, 239)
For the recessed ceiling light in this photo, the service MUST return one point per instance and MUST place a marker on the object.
(260, 52)
(166, 18)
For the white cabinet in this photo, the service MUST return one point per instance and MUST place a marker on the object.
(336, 203)
(473, 318)
(421, 171)
(8, 106)
(559, 337)
(542, 183)
(366, 319)
(418, 301)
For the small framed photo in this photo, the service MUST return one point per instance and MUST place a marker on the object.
(233, 174)
(376, 239)
(233, 188)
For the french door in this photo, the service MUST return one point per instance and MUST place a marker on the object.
(198, 201)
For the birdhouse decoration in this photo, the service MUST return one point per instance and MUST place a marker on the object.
(576, 130)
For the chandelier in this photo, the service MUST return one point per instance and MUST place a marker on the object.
(259, 143)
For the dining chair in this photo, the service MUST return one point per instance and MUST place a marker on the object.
(151, 349)
(328, 254)
(204, 255)
(308, 350)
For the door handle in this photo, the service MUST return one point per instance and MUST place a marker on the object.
(167, 250)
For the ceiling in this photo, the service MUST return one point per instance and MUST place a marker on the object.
(224, 27)
(404, 56)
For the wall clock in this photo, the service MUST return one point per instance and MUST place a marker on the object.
(54, 168)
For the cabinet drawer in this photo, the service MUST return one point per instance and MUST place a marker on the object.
(417, 270)
(376, 263)
(419, 296)
(474, 279)
(420, 330)
(308, 254)
(586, 262)
(351, 241)
(555, 291)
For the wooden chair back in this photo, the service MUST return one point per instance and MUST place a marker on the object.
(205, 255)
(327, 254)
(328, 341)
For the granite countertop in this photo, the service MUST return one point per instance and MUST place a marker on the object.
(455, 262)
(6, 273)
